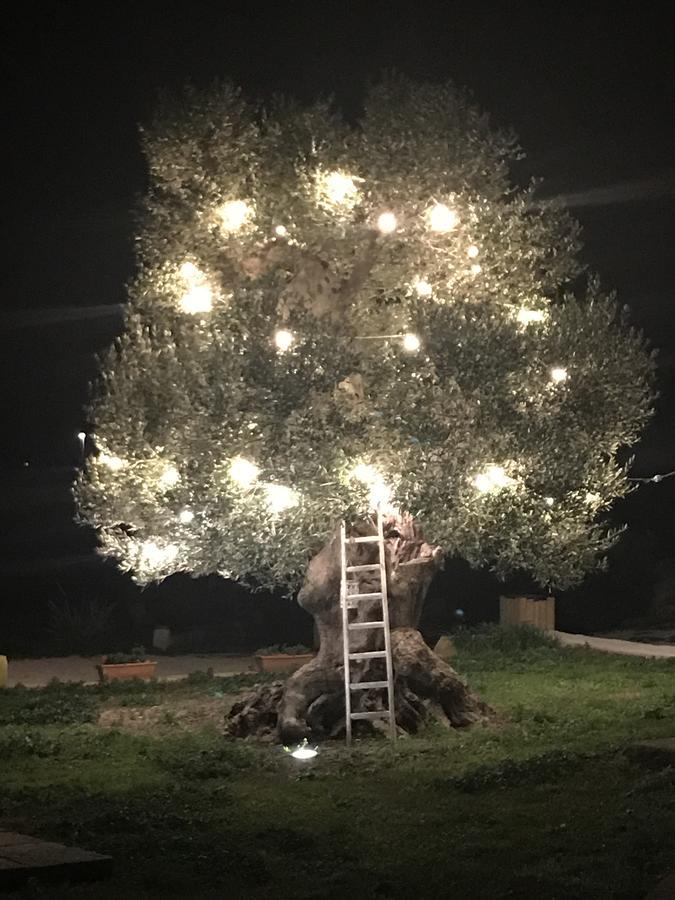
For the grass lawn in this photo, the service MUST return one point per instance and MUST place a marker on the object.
(545, 803)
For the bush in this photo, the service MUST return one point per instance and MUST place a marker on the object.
(135, 655)
(81, 626)
(508, 640)
(56, 704)
(290, 649)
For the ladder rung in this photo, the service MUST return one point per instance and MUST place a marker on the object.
(369, 654)
(376, 595)
(368, 568)
(367, 685)
(356, 626)
(373, 714)
(369, 538)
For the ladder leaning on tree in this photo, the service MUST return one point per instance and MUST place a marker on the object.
(351, 601)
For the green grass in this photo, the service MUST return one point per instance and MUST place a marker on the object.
(544, 803)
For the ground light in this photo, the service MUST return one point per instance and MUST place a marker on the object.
(302, 751)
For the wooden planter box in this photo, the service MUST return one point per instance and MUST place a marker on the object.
(539, 612)
(115, 671)
(282, 662)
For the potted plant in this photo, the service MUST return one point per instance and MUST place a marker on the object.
(283, 657)
(134, 664)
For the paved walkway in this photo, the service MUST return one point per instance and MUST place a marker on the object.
(611, 645)
(38, 672)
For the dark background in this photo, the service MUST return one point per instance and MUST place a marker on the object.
(588, 89)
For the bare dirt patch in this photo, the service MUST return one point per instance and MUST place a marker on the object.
(188, 714)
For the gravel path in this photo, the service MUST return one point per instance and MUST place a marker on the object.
(38, 672)
(611, 645)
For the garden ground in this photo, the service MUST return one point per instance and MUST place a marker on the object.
(548, 802)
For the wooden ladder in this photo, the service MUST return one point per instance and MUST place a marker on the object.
(349, 601)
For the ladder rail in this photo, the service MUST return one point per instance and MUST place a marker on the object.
(387, 629)
(345, 633)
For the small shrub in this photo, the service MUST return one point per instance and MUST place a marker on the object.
(290, 649)
(135, 655)
(509, 640)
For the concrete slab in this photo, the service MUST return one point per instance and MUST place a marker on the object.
(23, 857)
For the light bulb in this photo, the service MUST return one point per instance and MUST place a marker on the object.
(198, 299)
(81, 435)
(283, 339)
(558, 374)
(423, 288)
(441, 218)
(339, 188)
(169, 477)
(472, 251)
(526, 316)
(492, 479)
(411, 342)
(243, 472)
(186, 516)
(281, 231)
(549, 501)
(190, 272)
(114, 463)
(234, 214)
(280, 497)
(476, 269)
(386, 222)
(155, 556)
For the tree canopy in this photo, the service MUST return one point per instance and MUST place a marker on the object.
(330, 315)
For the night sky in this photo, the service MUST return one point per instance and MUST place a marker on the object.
(588, 89)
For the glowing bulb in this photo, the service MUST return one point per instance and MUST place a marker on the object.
(442, 218)
(190, 272)
(234, 214)
(198, 299)
(492, 479)
(281, 231)
(476, 269)
(81, 435)
(186, 516)
(154, 556)
(423, 288)
(386, 222)
(592, 497)
(411, 342)
(114, 463)
(283, 339)
(558, 374)
(169, 477)
(380, 493)
(339, 188)
(243, 472)
(549, 501)
(280, 497)
(472, 251)
(304, 753)
(526, 316)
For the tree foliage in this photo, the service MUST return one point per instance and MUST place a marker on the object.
(500, 432)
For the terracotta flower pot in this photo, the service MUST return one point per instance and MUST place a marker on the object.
(116, 671)
(282, 662)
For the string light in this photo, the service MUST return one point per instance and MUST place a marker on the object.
(494, 478)
(234, 214)
(169, 477)
(198, 299)
(243, 472)
(379, 493)
(283, 339)
(423, 288)
(114, 463)
(186, 516)
(339, 188)
(154, 556)
(472, 251)
(189, 272)
(527, 316)
(387, 223)
(476, 269)
(411, 342)
(280, 497)
(281, 231)
(558, 374)
(441, 218)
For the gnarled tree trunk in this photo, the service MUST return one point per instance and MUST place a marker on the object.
(311, 702)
